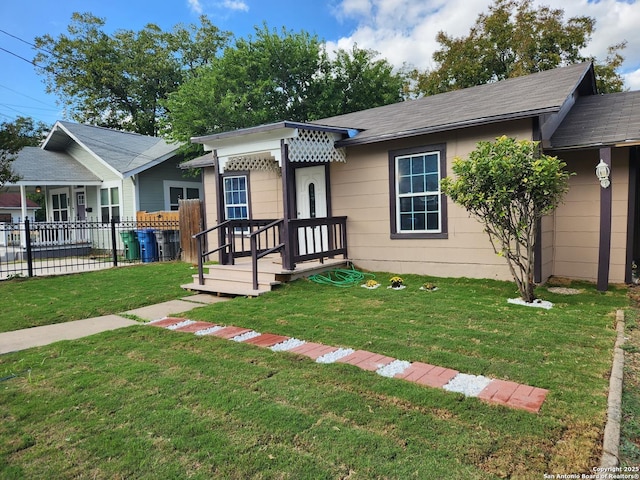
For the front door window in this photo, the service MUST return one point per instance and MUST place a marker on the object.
(60, 207)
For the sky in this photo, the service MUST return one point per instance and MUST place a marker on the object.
(403, 31)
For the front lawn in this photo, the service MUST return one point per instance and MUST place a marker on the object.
(145, 402)
(40, 301)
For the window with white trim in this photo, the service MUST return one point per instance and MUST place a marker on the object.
(236, 204)
(418, 207)
(110, 204)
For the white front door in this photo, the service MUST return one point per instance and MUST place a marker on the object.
(311, 202)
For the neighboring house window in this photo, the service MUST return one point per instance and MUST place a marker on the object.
(179, 192)
(110, 204)
(418, 209)
(236, 203)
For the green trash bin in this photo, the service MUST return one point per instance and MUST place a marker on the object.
(131, 245)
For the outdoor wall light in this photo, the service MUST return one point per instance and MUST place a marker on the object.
(602, 172)
(38, 189)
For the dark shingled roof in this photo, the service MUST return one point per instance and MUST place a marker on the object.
(521, 97)
(600, 120)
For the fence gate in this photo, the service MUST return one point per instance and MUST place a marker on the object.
(190, 224)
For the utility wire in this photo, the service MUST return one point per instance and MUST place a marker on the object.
(25, 41)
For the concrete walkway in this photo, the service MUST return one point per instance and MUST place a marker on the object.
(47, 334)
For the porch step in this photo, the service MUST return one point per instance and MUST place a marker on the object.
(227, 288)
(236, 280)
(238, 275)
(233, 281)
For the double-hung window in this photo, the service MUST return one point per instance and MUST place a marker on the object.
(236, 198)
(417, 204)
(110, 204)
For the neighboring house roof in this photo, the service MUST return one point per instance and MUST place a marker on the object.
(12, 200)
(600, 120)
(522, 97)
(125, 152)
(36, 166)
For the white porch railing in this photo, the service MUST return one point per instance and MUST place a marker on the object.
(45, 234)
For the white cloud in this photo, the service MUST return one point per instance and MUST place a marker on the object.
(632, 80)
(404, 30)
(236, 5)
(195, 6)
(355, 8)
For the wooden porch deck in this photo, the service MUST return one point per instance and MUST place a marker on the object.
(236, 280)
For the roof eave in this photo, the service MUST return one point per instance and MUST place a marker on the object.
(594, 145)
(151, 164)
(445, 127)
(268, 128)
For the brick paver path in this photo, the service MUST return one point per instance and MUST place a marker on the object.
(500, 392)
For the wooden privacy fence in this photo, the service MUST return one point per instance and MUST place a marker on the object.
(190, 215)
(155, 219)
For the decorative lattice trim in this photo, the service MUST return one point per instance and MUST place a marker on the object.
(315, 146)
(252, 162)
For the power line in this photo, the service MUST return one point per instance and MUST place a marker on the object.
(27, 96)
(22, 58)
(25, 41)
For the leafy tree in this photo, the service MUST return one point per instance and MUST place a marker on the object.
(511, 40)
(274, 76)
(354, 80)
(118, 80)
(14, 136)
(264, 78)
(508, 185)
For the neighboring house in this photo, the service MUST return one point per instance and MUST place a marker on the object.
(11, 208)
(95, 173)
(381, 169)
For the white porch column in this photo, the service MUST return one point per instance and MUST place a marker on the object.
(23, 202)
(23, 208)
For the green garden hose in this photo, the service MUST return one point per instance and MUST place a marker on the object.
(341, 277)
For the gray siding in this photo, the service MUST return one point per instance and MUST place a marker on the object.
(151, 184)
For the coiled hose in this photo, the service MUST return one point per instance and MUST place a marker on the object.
(341, 277)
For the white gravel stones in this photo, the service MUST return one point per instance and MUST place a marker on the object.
(184, 323)
(157, 320)
(394, 368)
(287, 345)
(209, 330)
(335, 356)
(469, 385)
(536, 303)
(246, 336)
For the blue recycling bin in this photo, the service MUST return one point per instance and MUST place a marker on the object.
(148, 245)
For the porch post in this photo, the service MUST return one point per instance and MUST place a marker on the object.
(632, 224)
(222, 257)
(604, 254)
(23, 202)
(288, 191)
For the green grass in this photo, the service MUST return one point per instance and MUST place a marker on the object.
(630, 429)
(46, 300)
(149, 403)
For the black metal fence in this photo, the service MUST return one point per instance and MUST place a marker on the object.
(48, 248)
